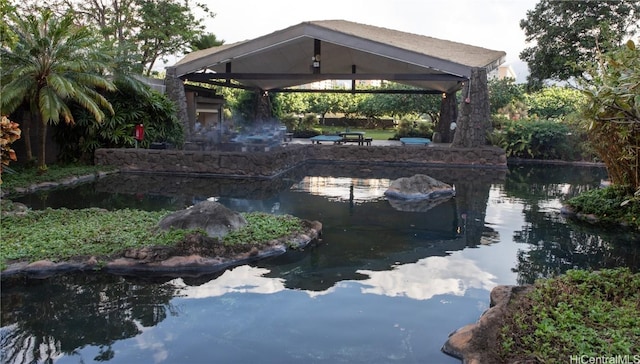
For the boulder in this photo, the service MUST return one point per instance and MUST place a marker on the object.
(419, 186)
(418, 193)
(210, 216)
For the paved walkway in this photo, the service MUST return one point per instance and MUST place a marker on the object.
(375, 142)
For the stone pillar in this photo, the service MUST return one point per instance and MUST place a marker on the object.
(474, 121)
(175, 92)
(448, 114)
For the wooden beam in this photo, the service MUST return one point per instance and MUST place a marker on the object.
(204, 77)
(316, 56)
(353, 82)
(359, 91)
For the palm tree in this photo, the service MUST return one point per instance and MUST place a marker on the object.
(53, 63)
(205, 41)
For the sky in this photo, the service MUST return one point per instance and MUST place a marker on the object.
(492, 24)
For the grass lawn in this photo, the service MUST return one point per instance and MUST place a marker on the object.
(375, 134)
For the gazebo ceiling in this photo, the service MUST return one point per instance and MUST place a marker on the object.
(341, 50)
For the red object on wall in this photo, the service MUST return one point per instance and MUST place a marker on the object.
(139, 134)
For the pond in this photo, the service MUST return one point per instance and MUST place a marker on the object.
(386, 284)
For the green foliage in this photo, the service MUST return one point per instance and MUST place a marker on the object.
(595, 314)
(142, 30)
(613, 205)
(612, 88)
(538, 139)
(25, 177)
(262, 227)
(204, 41)
(154, 110)
(289, 103)
(166, 27)
(7, 37)
(62, 234)
(503, 92)
(53, 63)
(570, 32)
(414, 128)
(308, 121)
(554, 102)
(290, 121)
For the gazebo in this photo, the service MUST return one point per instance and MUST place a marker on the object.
(343, 50)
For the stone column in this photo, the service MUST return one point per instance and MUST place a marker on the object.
(175, 92)
(474, 121)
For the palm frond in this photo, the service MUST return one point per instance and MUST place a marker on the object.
(14, 94)
(50, 105)
(61, 85)
(86, 101)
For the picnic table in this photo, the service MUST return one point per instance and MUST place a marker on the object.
(354, 137)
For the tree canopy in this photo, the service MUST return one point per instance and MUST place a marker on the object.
(142, 31)
(52, 64)
(565, 33)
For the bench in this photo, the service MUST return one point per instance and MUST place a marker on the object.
(326, 138)
(415, 141)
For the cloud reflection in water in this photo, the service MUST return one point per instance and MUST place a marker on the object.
(428, 277)
(422, 280)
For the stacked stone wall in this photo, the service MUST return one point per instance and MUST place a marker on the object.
(279, 160)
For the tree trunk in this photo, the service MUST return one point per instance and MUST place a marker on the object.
(448, 115)
(42, 165)
(263, 106)
(475, 118)
(32, 119)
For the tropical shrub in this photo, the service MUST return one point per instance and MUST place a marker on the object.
(290, 121)
(131, 106)
(308, 121)
(612, 205)
(539, 139)
(612, 88)
(9, 133)
(53, 64)
(413, 128)
(503, 92)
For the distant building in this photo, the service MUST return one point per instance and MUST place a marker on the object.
(503, 71)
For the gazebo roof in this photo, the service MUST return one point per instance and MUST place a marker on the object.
(346, 50)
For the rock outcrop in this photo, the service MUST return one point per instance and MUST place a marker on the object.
(476, 343)
(210, 216)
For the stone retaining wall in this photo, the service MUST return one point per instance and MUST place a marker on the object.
(281, 159)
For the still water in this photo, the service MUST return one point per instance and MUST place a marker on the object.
(386, 284)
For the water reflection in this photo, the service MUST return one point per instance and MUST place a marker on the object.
(372, 288)
(428, 277)
(552, 244)
(243, 279)
(45, 319)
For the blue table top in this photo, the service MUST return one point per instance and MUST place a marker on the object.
(415, 140)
